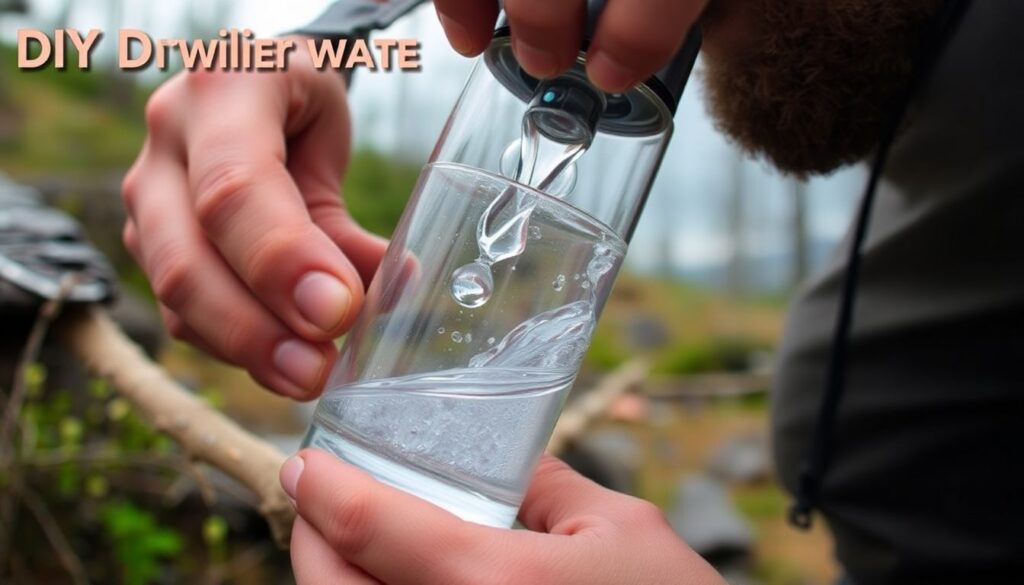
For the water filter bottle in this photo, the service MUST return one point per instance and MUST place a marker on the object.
(450, 382)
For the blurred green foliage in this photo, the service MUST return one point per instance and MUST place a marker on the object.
(139, 543)
(717, 354)
(60, 121)
(605, 353)
(86, 452)
(376, 189)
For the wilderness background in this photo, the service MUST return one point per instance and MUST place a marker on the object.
(723, 244)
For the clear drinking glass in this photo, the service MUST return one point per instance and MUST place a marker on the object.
(474, 327)
(452, 403)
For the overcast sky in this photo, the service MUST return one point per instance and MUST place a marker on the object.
(690, 190)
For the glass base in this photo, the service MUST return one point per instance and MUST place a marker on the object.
(464, 503)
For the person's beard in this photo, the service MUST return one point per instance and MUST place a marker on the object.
(808, 84)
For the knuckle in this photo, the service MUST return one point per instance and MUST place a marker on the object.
(159, 110)
(349, 528)
(173, 280)
(643, 514)
(201, 79)
(535, 15)
(629, 47)
(262, 266)
(236, 338)
(221, 191)
(175, 326)
(128, 237)
(130, 190)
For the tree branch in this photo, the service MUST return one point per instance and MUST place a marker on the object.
(72, 564)
(12, 410)
(202, 432)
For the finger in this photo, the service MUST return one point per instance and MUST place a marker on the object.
(635, 38)
(366, 522)
(561, 501)
(130, 239)
(253, 212)
(179, 329)
(468, 24)
(317, 158)
(194, 283)
(546, 35)
(315, 563)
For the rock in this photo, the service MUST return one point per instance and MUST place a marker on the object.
(609, 457)
(705, 518)
(741, 459)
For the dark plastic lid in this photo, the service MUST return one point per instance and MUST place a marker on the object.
(629, 113)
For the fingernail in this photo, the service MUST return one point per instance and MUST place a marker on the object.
(609, 74)
(290, 473)
(323, 300)
(457, 35)
(538, 62)
(299, 362)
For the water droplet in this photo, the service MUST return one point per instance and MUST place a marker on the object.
(559, 282)
(440, 330)
(456, 337)
(472, 285)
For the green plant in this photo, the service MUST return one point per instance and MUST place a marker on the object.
(604, 353)
(80, 456)
(140, 544)
(377, 188)
(719, 354)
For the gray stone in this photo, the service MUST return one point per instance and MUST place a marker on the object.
(704, 517)
(741, 459)
(609, 457)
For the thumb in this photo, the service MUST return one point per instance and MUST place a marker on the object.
(561, 501)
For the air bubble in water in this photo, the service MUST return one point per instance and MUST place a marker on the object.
(535, 232)
(440, 330)
(559, 282)
(456, 337)
(468, 338)
(490, 341)
(585, 284)
(472, 285)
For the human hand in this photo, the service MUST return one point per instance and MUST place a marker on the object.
(353, 530)
(634, 38)
(235, 218)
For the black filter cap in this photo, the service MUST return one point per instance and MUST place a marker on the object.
(630, 113)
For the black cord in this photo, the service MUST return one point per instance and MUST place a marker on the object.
(816, 462)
